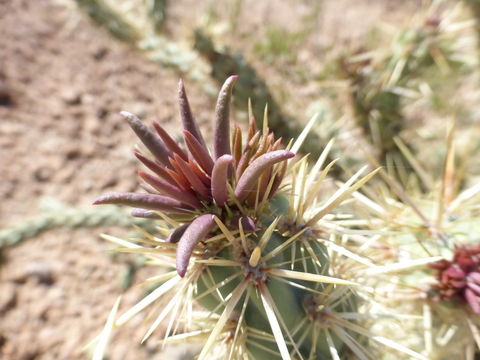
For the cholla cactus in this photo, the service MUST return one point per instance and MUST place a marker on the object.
(255, 240)
(430, 252)
(412, 68)
(196, 188)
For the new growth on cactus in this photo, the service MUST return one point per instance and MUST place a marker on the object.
(197, 185)
(429, 257)
(458, 280)
(255, 239)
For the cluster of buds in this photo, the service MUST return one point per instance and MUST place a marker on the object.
(459, 278)
(194, 186)
(253, 238)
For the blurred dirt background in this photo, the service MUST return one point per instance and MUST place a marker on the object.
(63, 81)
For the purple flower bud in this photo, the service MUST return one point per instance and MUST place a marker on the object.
(147, 214)
(247, 182)
(169, 142)
(195, 232)
(473, 301)
(475, 277)
(144, 201)
(148, 138)
(475, 288)
(170, 190)
(199, 152)
(221, 145)
(248, 224)
(220, 178)
(188, 120)
(176, 234)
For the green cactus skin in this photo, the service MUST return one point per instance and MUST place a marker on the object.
(289, 300)
(247, 246)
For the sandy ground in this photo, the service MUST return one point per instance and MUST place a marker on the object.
(63, 83)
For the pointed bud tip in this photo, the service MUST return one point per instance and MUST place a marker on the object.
(248, 224)
(137, 212)
(230, 82)
(127, 114)
(181, 272)
(100, 200)
(104, 199)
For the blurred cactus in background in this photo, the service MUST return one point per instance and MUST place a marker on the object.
(430, 252)
(251, 85)
(383, 81)
(141, 23)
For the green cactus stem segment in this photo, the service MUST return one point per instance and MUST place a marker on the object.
(220, 179)
(221, 145)
(148, 138)
(247, 181)
(194, 233)
(247, 154)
